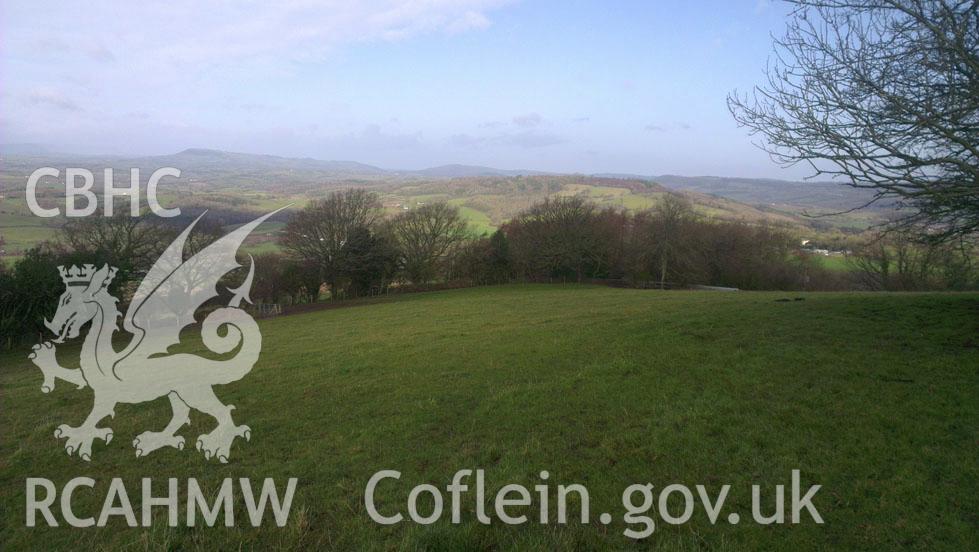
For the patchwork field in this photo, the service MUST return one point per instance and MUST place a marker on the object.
(873, 396)
(241, 183)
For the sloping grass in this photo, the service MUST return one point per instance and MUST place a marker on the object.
(478, 221)
(873, 396)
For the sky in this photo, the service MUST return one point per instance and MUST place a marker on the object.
(565, 86)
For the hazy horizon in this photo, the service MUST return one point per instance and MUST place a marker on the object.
(49, 151)
(563, 87)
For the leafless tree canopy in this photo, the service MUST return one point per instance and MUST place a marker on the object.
(318, 232)
(883, 94)
(135, 242)
(895, 262)
(560, 238)
(669, 223)
(426, 235)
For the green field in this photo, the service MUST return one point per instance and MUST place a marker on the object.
(873, 396)
(478, 221)
(20, 230)
(837, 263)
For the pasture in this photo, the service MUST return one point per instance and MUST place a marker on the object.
(873, 396)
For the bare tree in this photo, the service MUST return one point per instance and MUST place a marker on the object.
(895, 262)
(280, 279)
(883, 94)
(370, 262)
(130, 243)
(425, 236)
(558, 238)
(666, 244)
(671, 238)
(318, 232)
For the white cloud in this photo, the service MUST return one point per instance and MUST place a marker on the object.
(528, 139)
(50, 97)
(84, 64)
(468, 21)
(178, 39)
(102, 54)
(528, 121)
(184, 31)
(679, 125)
(372, 136)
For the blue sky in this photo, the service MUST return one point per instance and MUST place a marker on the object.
(566, 86)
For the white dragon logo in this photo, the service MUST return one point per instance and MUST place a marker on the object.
(164, 304)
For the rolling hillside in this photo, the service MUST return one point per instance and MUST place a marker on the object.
(501, 198)
(871, 396)
(487, 197)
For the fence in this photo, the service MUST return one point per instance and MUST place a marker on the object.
(266, 310)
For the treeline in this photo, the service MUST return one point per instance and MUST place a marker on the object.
(570, 239)
(356, 251)
(344, 242)
(909, 260)
(29, 291)
(343, 246)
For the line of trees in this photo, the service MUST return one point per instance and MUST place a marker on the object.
(358, 252)
(899, 261)
(355, 251)
(570, 239)
(30, 289)
(343, 246)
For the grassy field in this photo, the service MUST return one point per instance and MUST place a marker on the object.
(837, 263)
(873, 396)
(20, 230)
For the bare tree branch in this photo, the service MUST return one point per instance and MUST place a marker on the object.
(880, 94)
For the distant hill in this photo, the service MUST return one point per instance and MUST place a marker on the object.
(196, 159)
(25, 149)
(493, 200)
(208, 166)
(763, 191)
(822, 194)
(489, 196)
(250, 170)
